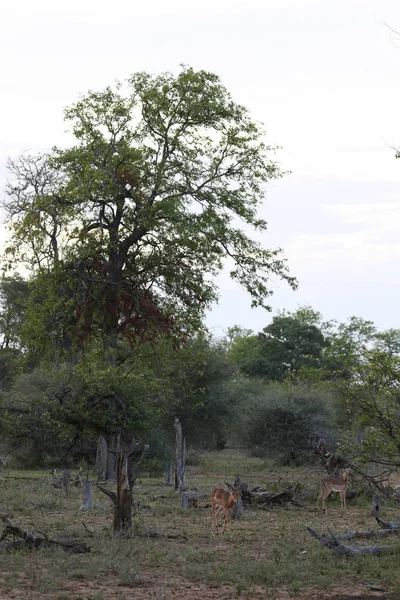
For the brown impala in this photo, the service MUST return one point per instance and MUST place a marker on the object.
(334, 484)
(223, 500)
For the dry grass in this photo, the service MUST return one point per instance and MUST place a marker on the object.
(173, 553)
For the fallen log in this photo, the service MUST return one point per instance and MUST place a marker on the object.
(387, 524)
(270, 497)
(31, 541)
(260, 495)
(370, 533)
(342, 550)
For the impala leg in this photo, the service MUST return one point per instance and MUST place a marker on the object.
(319, 498)
(324, 498)
(214, 519)
(217, 513)
(226, 519)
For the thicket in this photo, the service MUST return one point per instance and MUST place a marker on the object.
(54, 412)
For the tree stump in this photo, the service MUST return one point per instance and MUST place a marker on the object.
(190, 499)
(101, 458)
(168, 473)
(65, 482)
(180, 465)
(87, 502)
(123, 500)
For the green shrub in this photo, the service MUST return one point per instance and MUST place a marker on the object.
(282, 420)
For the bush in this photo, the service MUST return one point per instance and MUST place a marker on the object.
(281, 422)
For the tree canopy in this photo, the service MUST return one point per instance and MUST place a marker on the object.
(290, 342)
(126, 230)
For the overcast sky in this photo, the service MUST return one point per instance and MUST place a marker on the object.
(322, 75)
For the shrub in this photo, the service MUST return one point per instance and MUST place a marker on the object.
(282, 420)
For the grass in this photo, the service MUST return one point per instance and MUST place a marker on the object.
(173, 553)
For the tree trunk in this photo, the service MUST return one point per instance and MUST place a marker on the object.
(180, 456)
(113, 443)
(168, 473)
(123, 506)
(101, 458)
(87, 502)
(122, 500)
(65, 482)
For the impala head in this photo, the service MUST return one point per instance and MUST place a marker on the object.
(235, 495)
(345, 473)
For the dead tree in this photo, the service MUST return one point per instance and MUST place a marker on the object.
(180, 465)
(87, 502)
(168, 473)
(101, 458)
(65, 482)
(126, 476)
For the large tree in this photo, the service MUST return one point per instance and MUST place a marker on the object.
(126, 230)
(292, 341)
(143, 211)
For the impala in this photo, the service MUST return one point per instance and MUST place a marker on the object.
(334, 484)
(223, 500)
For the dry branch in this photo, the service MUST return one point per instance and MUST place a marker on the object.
(387, 524)
(31, 541)
(108, 493)
(342, 550)
(370, 533)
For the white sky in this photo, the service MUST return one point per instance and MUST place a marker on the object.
(323, 75)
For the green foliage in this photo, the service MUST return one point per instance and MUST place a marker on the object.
(289, 343)
(373, 402)
(124, 233)
(141, 212)
(284, 418)
(53, 410)
(9, 361)
(346, 345)
(14, 294)
(200, 379)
